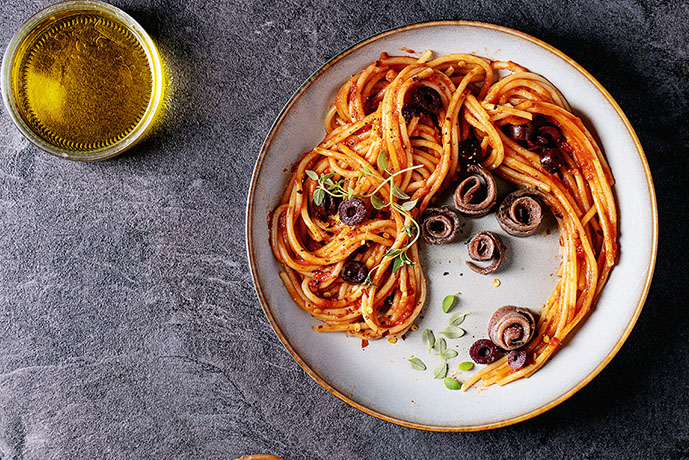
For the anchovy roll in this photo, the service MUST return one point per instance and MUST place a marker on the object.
(477, 194)
(485, 246)
(511, 327)
(439, 225)
(520, 213)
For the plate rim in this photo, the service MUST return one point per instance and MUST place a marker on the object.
(283, 338)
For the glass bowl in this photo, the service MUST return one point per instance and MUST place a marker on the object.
(82, 80)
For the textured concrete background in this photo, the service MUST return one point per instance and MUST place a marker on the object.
(129, 327)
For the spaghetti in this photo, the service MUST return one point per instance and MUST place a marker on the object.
(396, 157)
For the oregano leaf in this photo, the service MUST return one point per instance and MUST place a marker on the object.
(428, 338)
(440, 372)
(457, 318)
(377, 202)
(318, 196)
(398, 193)
(408, 206)
(452, 384)
(449, 302)
(448, 354)
(383, 160)
(397, 263)
(392, 252)
(417, 364)
(453, 332)
(440, 345)
(465, 366)
(312, 174)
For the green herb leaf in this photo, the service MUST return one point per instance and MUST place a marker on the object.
(367, 171)
(440, 372)
(465, 366)
(449, 302)
(440, 345)
(312, 174)
(397, 263)
(408, 206)
(409, 230)
(428, 339)
(392, 252)
(398, 193)
(383, 160)
(328, 182)
(406, 259)
(452, 384)
(417, 364)
(326, 177)
(457, 318)
(318, 196)
(377, 202)
(453, 332)
(369, 282)
(448, 354)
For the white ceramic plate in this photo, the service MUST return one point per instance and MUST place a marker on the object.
(378, 379)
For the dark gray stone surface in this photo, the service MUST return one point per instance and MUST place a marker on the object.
(128, 323)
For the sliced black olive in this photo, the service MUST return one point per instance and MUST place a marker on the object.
(483, 351)
(551, 133)
(539, 120)
(521, 133)
(327, 207)
(469, 151)
(439, 225)
(551, 160)
(520, 213)
(486, 246)
(428, 98)
(409, 111)
(516, 359)
(354, 272)
(352, 211)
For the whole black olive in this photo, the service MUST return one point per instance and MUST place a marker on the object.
(354, 272)
(483, 351)
(428, 98)
(352, 211)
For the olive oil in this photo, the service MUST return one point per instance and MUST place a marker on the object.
(84, 78)
(84, 82)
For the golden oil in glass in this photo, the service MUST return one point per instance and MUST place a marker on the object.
(84, 80)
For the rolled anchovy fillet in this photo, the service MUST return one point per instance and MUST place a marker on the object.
(511, 327)
(477, 194)
(439, 225)
(520, 213)
(486, 246)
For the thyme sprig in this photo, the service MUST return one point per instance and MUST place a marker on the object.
(326, 185)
